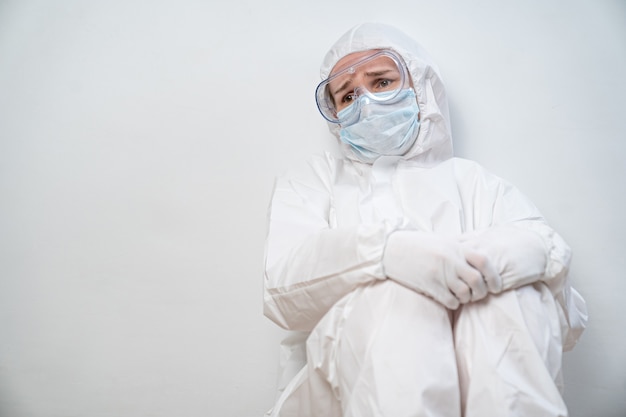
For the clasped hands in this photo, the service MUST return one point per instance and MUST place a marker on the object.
(458, 271)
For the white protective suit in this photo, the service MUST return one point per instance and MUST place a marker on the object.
(369, 345)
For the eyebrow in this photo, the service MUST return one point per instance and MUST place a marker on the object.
(376, 73)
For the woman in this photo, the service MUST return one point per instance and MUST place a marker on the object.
(422, 285)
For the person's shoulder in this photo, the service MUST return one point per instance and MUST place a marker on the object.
(325, 160)
(465, 164)
(320, 162)
(467, 170)
(317, 167)
(469, 165)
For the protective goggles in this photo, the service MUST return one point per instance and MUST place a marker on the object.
(379, 77)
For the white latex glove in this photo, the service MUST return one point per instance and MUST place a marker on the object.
(435, 266)
(519, 255)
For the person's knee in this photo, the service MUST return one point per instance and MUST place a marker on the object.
(376, 320)
(389, 301)
(528, 312)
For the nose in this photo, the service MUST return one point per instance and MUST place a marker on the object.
(360, 83)
(359, 89)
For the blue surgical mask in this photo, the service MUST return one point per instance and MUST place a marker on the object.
(383, 128)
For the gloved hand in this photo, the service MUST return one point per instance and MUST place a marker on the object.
(437, 267)
(519, 255)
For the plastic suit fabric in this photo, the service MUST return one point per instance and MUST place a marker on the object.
(364, 345)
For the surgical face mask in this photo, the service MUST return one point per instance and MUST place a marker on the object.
(382, 129)
(379, 75)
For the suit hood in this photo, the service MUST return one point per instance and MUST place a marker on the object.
(434, 140)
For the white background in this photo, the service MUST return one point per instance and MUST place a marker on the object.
(138, 145)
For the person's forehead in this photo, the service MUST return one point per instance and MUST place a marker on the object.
(352, 59)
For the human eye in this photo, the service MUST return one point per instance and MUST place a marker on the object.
(384, 84)
(348, 98)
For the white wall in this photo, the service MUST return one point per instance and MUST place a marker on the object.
(138, 144)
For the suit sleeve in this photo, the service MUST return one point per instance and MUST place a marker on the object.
(309, 263)
(525, 249)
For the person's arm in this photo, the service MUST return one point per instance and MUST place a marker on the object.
(509, 229)
(438, 266)
(310, 264)
(523, 253)
(511, 232)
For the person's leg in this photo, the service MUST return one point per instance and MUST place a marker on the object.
(509, 353)
(387, 351)
(307, 395)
